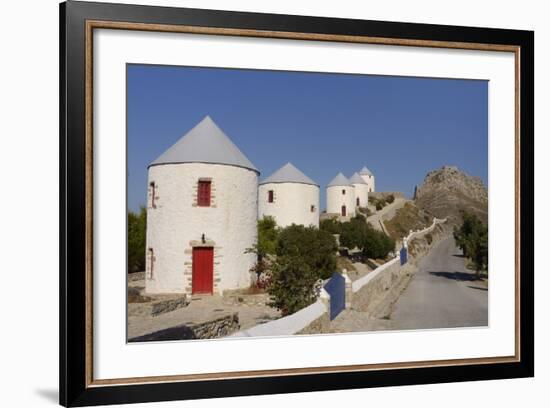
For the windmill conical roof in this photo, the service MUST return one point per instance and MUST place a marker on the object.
(339, 180)
(205, 143)
(356, 179)
(289, 174)
(366, 171)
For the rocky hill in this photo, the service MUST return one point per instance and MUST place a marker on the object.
(447, 191)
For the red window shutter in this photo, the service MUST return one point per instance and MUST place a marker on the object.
(203, 193)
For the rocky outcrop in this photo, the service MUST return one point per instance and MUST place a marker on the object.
(448, 191)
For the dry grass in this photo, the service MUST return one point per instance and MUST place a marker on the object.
(407, 218)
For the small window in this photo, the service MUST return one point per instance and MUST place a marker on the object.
(344, 211)
(343, 192)
(152, 193)
(151, 256)
(357, 202)
(312, 208)
(203, 193)
(270, 196)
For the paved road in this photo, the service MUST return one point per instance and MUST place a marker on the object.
(443, 293)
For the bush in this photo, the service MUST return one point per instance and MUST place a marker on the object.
(331, 226)
(472, 237)
(137, 224)
(353, 233)
(379, 205)
(376, 244)
(390, 198)
(267, 236)
(293, 284)
(266, 246)
(316, 247)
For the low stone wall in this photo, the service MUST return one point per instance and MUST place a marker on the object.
(136, 276)
(212, 329)
(224, 326)
(168, 305)
(319, 325)
(371, 291)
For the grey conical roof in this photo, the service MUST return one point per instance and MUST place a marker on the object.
(289, 174)
(339, 180)
(356, 179)
(366, 171)
(205, 143)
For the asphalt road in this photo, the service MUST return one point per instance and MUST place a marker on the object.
(443, 293)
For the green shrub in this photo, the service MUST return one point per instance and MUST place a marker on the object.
(376, 244)
(293, 284)
(316, 247)
(379, 205)
(303, 256)
(390, 198)
(331, 226)
(472, 237)
(353, 233)
(137, 224)
(267, 244)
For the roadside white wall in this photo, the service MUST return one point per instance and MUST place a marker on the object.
(177, 224)
(336, 199)
(291, 204)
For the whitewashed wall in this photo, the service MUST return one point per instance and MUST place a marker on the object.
(335, 199)
(229, 225)
(291, 203)
(361, 192)
(370, 180)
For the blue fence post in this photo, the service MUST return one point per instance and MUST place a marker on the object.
(403, 255)
(336, 288)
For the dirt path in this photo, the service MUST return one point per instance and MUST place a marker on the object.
(386, 213)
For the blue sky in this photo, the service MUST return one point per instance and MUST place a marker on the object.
(399, 127)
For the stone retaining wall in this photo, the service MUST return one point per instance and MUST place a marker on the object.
(224, 326)
(372, 289)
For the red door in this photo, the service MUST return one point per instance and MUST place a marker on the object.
(203, 270)
(343, 211)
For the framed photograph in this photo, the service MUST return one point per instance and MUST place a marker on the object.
(256, 204)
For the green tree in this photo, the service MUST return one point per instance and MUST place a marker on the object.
(376, 244)
(354, 232)
(293, 284)
(266, 246)
(267, 236)
(137, 224)
(359, 234)
(331, 226)
(316, 247)
(472, 237)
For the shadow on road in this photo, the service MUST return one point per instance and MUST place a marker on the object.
(173, 333)
(459, 256)
(457, 276)
(478, 288)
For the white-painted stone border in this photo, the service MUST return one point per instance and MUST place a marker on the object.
(290, 324)
(359, 283)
